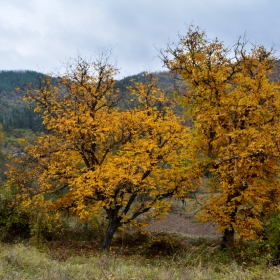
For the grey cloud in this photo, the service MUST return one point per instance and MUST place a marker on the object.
(39, 34)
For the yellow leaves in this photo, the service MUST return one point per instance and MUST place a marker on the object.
(235, 108)
(100, 156)
(38, 109)
(2, 136)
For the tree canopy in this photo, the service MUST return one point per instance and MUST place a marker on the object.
(97, 154)
(233, 100)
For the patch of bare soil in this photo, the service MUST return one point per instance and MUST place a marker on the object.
(185, 224)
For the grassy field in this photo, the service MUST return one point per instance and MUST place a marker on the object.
(161, 256)
(159, 253)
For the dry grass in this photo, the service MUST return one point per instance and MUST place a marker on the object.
(26, 262)
(135, 255)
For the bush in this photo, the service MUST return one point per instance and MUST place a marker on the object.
(271, 243)
(14, 223)
(263, 251)
(165, 244)
(19, 222)
(91, 230)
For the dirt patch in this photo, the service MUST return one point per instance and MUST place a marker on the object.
(184, 224)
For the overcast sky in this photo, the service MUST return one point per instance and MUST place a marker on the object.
(40, 35)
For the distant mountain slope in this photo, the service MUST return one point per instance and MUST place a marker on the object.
(9, 80)
(15, 114)
(165, 80)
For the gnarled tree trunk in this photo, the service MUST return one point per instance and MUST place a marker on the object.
(228, 238)
(114, 223)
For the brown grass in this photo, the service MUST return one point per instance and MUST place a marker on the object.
(25, 262)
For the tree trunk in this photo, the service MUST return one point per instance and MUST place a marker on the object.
(114, 223)
(108, 236)
(228, 238)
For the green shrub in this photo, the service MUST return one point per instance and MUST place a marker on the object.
(165, 244)
(14, 223)
(18, 222)
(271, 242)
(91, 230)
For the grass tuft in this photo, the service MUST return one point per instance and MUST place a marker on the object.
(26, 262)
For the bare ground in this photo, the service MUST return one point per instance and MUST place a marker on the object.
(185, 224)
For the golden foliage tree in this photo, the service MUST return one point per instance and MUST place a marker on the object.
(100, 154)
(234, 102)
(2, 155)
(2, 136)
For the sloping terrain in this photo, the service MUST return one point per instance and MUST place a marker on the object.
(184, 224)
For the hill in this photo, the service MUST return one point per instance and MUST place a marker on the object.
(14, 113)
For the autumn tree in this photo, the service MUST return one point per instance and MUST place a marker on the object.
(2, 136)
(101, 153)
(234, 102)
(2, 154)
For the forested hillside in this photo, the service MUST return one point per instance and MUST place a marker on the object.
(15, 114)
